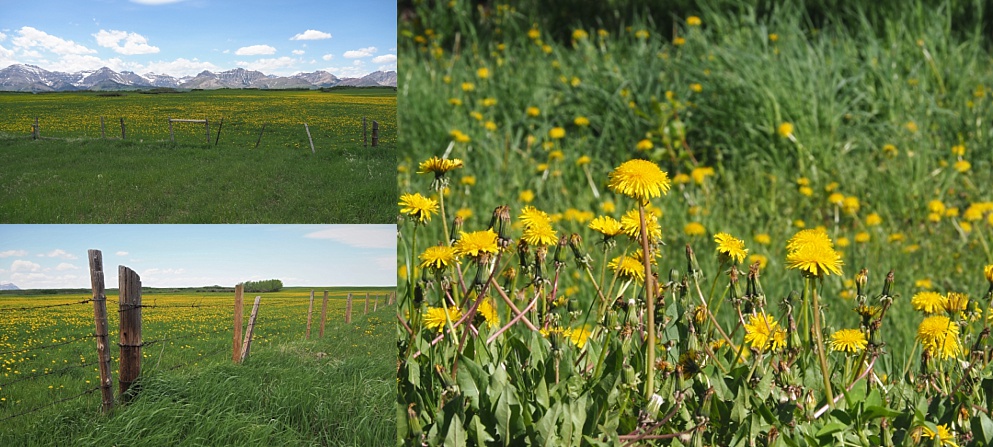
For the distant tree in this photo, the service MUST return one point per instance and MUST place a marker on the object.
(268, 285)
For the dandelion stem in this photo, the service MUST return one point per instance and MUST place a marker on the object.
(820, 344)
(441, 207)
(650, 300)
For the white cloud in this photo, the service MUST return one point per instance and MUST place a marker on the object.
(362, 236)
(311, 35)
(65, 266)
(327, 57)
(385, 59)
(3, 37)
(255, 50)
(9, 253)
(298, 52)
(270, 66)
(134, 43)
(24, 266)
(121, 253)
(179, 67)
(29, 37)
(361, 52)
(59, 253)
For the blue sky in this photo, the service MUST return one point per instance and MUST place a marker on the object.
(55, 256)
(184, 37)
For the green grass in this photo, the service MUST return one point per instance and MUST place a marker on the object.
(80, 178)
(335, 391)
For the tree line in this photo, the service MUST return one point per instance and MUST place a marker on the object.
(268, 285)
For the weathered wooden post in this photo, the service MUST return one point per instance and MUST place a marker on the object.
(172, 137)
(35, 131)
(206, 125)
(348, 308)
(123, 134)
(219, 126)
(247, 345)
(375, 303)
(366, 309)
(309, 139)
(103, 129)
(375, 133)
(324, 313)
(310, 313)
(393, 296)
(260, 136)
(129, 293)
(239, 302)
(100, 322)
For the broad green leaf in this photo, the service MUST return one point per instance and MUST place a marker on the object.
(831, 428)
(982, 428)
(764, 387)
(456, 433)
(479, 433)
(467, 383)
(874, 411)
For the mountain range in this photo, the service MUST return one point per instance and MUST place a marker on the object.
(8, 286)
(30, 78)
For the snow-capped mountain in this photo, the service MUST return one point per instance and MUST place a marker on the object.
(20, 77)
(8, 286)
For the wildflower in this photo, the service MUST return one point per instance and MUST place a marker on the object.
(911, 126)
(641, 180)
(556, 133)
(434, 317)
(644, 145)
(700, 174)
(581, 121)
(631, 225)
(531, 216)
(760, 258)
(693, 21)
(533, 111)
(806, 190)
(760, 333)
(924, 283)
(785, 130)
(862, 237)
(956, 302)
(476, 244)
(812, 252)
(762, 238)
(490, 126)
(455, 101)
(681, 179)
(579, 34)
(641, 34)
(438, 166)
(468, 180)
(489, 102)
(606, 225)
(958, 150)
(890, 150)
(939, 336)
(628, 267)
(459, 136)
(988, 272)
(851, 341)
(873, 219)
(526, 196)
(463, 213)
(680, 41)
(534, 34)
(418, 207)
(489, 312)
(468, 86)
(730, 247)
(944, 435)
(773, 37)
(697, 88)
(578, 336)
(541, 234)
(850, 205)
(836, 198)
(438, 257)
(694, 229)
(962, 166)
(799, 223)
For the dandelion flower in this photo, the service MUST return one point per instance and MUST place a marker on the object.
(483, 73)
(762, 239)
(628, 267)
(489, 312)
(695, 87)
(536, 235)
(760, 333)
(631, 225)
(644, 145)
(418, 207)
(760, 258)
(812, 252)
(438, 166)
(850, 205)
(785, 130)
(437, 257)
(851, 341)
(434, 317)
(476, 243)
(606, 225)
(944, 435)
(730, 247)
(939, 336)
(700, 174)
(962, 166)
(693, 21)
(988, 272)
(556, 133)
(836, 198)
(533, 111)
(694, 229)
(531, 216)
(873, 219)
(578, 336)
(956, 302)
(581, 121)
(641, 180)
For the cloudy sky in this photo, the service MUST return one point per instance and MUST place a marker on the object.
(184, 37)
(55, 256)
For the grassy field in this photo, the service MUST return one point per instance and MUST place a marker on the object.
(871, 127)
(146, 178)
(334, 390)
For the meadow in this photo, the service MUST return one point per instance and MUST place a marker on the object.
(72, 175)
(334, 390)
(784, 150)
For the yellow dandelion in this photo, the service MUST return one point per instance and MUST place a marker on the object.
(489, 312)
(483, 73)
(962, 166)
(939, 336)
(694, 229)
(476, 243)
(812, 252)
(890, 150)
(988, 272)
(578, 336)
(526, 196)
(631, 225)
(417, 206)
(762, 239)
(760, 333)
(836, 198)
(606, 225)
(641, 180)
(644, 145)
(438, 166)
(700, 174)
(850, 205)
(763, 260)
(438, 257)
(533, 111)
(785, 130)
(730, 247)
(945, 436)
(531, 216)
(434, 317)
(628, 267)
(536, 235)
(581, 121)
(556, 133)
(695, 87)
(851, 341)
(873, 219)
(693, 21)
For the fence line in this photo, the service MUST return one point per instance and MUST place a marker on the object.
(4, 309)
(51, 404)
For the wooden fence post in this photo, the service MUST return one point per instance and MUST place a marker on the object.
(123, 133)
(375, 303)
(129, 293)
(392, 297)
(219, 126)
(365, 140)
(35, 131)
(310, 313)
(348, 308)
(172, 137)
(102, 129)
(100, 321)
(366, 309)
(247, 346)
(239, 303)
(309, 139)
(206, 125)
(375, 133)
(260, 136)
(324, 313)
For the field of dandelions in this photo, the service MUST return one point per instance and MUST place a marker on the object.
(739, 228)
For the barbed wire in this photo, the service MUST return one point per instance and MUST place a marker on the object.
(5, 309)
(51, 404)
(48, 373)
(181, 337)
(25, 350)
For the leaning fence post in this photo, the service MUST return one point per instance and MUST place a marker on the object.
(238, 305)
(247, 346)
(35, 132)
(100, 321)
(123, 134)
(375, 303)
(206, 125)
(260, 136)
(375, 133)
(219, 126)
(308, 138)
(129, 292)
(366, 309)
(392, 297)
(348, 308)
(310, 313)
(324, 313)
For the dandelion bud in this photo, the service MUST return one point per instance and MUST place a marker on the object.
(500, 223)
(413, 421)
(887, 283)
(692, 266)
(654, 405)
(524, 255)
(539, 262)
(560, 252)
(456, 229)
(860, 281)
